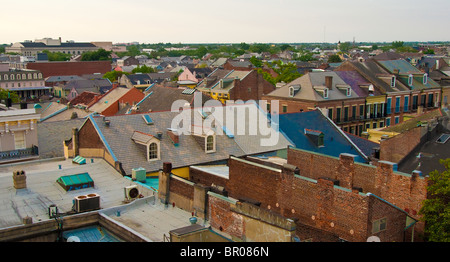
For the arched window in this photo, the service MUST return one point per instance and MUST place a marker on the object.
(153, 151)
(209, 143)
(40, 76)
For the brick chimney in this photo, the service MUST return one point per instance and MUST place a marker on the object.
(329, 82)
(164, 182)
(20, 179)
(75, 142)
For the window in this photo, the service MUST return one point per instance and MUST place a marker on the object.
(325, 93)
(346, 113)
(406, 104)
(19, 140)
(361, 111)
(415, 102)
(291, 91)
(12, 77)
(268, 107)
(397, 120)
(284, 108)
(410, 80)
(330, 113)
(379, 225)
(397, 104)
(393, 81)
(349, 91)
(425, 79)
(338, 114)
(18, 77)
(354, 112)
(389, 104)
(210, 144)
(430, 100)
(153, 151)
(6, 77)
(388, 121)
(374, 125)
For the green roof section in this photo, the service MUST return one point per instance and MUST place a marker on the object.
(75, 182)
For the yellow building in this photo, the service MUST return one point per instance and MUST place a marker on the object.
(375, 112)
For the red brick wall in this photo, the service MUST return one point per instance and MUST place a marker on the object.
(71, 68)
(396, 148)
(132, 96)
(206, 179)
(403, 190)
(181, 188)
(254, 82)
(224, 219)
(88, 137)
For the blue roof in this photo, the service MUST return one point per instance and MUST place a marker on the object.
(336, 142)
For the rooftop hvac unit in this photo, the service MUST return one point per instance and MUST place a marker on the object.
(139, 174)
(87, 202)
(131, 192)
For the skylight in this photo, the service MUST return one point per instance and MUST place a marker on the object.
(147, 119)
(443, 138)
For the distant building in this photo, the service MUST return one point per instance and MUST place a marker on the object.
(26, 83)
(18, 134)
(30, 48)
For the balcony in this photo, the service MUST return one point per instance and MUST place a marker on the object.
(19, 154)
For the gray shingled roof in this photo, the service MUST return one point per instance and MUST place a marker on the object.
(189, 151)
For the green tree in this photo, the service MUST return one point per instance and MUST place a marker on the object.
(114, 75)
(57, 56)
(334, 59)
(244, 46)
(256, 62)
(143, 69)
(436, 209)
(429, 52)
(99, 55)
(397, 44)
(5, 94)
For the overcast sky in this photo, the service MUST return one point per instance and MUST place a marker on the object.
(231, 21)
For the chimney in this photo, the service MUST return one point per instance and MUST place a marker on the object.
(75, 141)
(20, 179)
(329, 82)
(167, 167)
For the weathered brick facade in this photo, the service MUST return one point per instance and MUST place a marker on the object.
(70, 68)
(252, 87)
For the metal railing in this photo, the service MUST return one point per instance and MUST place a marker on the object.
(19, 153)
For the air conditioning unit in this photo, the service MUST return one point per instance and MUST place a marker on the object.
(131, 192)
(87, 202)
(139, 174)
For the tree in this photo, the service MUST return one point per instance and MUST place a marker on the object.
(5, 94)
(114, 75)
(143, 69)
(429, 52)
(436, 209)
(99, 55)
(57, 56)
(334, 59)
(397, 44)
(255, 61)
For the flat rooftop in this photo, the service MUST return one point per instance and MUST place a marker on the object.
(147, 216)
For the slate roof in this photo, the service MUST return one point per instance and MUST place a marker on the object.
(63, 45)
(311, 81)
(132, 155)
(405, 69)
(162, 98)
(51, 135)
(355, 80)
(377, 75)
(336, 142)
(188, 152)
(89, 84)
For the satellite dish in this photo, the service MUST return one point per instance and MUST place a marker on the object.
(73, 239)
(373, 239)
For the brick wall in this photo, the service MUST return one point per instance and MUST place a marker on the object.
(131, 97)
(252, 87)
(396, 148)
(206, 179)
(71, 68)
(406, 191)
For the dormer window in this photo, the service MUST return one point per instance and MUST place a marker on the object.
(291, 91)
(349, 91)
(425, 78)
(393, 79)
(410, 80)
(151, 143)
(210, 145)
(153, 151)
(325, 93)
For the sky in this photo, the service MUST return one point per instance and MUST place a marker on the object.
(230, 21)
